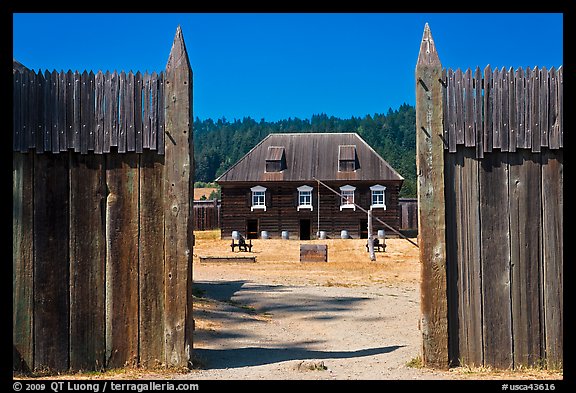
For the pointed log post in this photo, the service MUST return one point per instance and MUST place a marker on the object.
(178, 225)
(431, 209)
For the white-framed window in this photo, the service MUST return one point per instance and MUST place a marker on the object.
(258, 198)
(378, 197)
(305, 198)
(347, 199)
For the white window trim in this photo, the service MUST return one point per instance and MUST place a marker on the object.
(378, 187)
(258, 189)
(301, 189)
(348, 205)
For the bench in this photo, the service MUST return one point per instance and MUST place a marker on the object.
(377, 246)
(242, 245)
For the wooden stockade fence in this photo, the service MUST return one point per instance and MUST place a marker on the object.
(102, 229)
(83, 112)
(408, 213)
(490, 159)
(206, 215)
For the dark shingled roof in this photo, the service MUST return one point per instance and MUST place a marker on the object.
(308, 156)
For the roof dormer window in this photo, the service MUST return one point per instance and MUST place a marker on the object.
(347, 158)
(275, 159)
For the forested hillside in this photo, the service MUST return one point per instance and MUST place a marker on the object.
(219, 144)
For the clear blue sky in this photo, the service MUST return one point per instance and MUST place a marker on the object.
(276, 66)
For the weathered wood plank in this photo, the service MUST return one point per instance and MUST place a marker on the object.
(122, 260)
(91, 120)
(44, 126)
(513, 118)
(69, 110)
(151, 254)
(488, 105)
(160, 144)
(544, 107)
(520, 113)
(459, 86)
(99, 114)
(153, 110)
(505, 123)
(84, 113)
(146, 113)
(478, 131)
(552, 254)
(129, 111)
(525, 234)
(470, 224)
(107, 112)
(469, 136)
(178, 229)
(54, 144)
(16, 110)
(451, 100)
(497, 110)
(535, 109)
(138, 111)
(62, 112)
(32, 110)
(495, 261)
(431, 204)
(87, 262)
(554, 134)
(51, 267)
(115, 103)
(22, 261)
(25, 119)
(528, 91)
(445, 120)
(50, 106)
(44, 130)
(561, 105)
(452, 180)
(77, 126)
(122, 120)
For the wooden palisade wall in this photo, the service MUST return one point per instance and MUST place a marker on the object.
(91, 253)
(502, 138)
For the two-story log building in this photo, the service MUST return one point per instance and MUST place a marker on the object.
(273, 188)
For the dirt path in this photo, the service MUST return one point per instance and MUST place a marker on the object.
(348, 319)
(257, 330)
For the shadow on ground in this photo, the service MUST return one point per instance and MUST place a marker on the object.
(256, 356)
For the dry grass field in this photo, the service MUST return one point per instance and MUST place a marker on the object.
(348, 263)
(206, 191)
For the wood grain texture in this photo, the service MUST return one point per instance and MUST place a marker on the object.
(16, 110)
(138, 112)
(122, 260)
(525, 249)
(62, 112)
(178, 191)
(22, 261)
(431, 204)
(51, 267)
(99, 115)
(85, 112)
(552, 254)
(122, 119)
(87, 262)
(151, 255)
(478, 109)
(488, 108)
(495, 260)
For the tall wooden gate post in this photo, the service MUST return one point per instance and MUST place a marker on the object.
(178, 235)
(431, 208)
